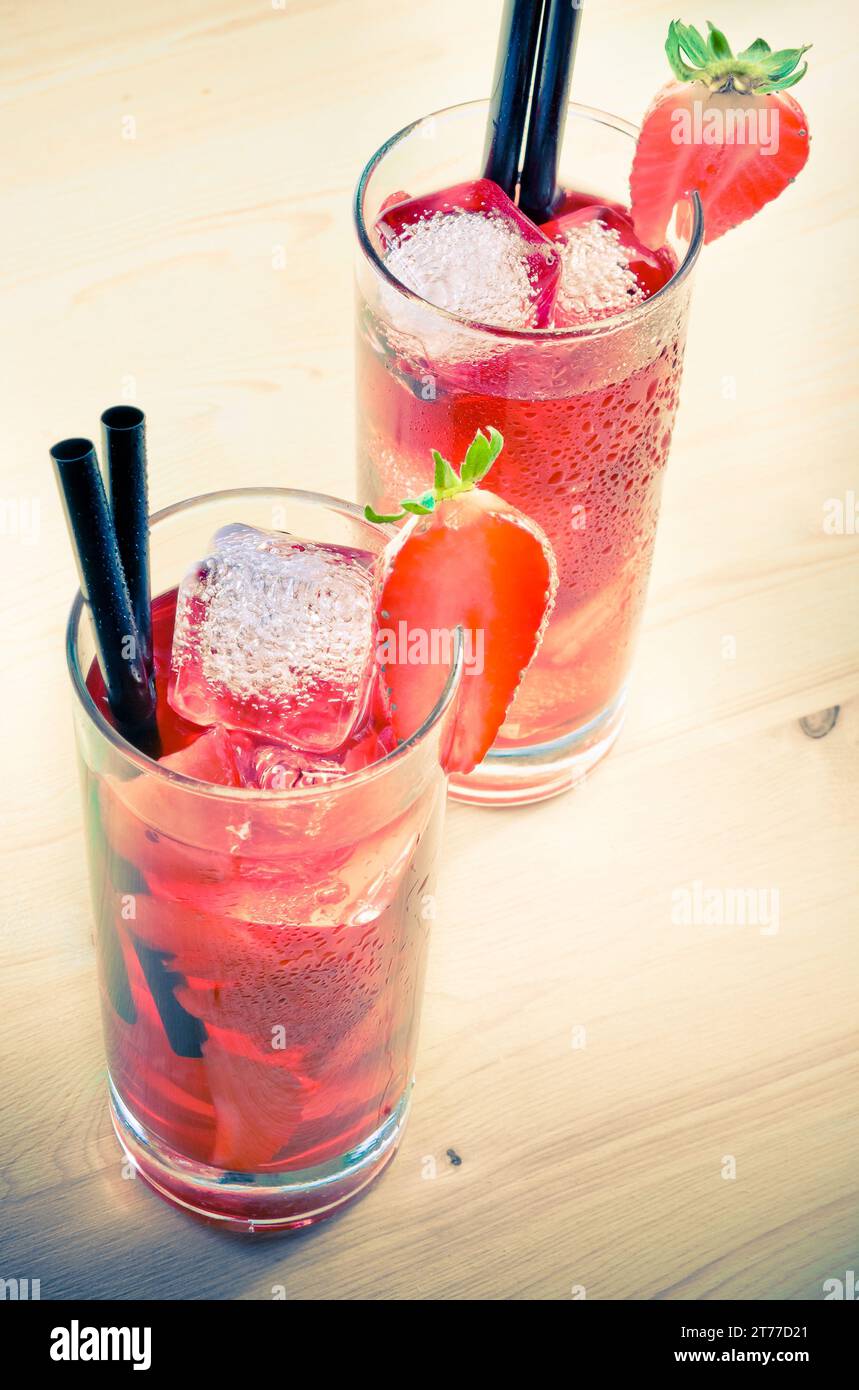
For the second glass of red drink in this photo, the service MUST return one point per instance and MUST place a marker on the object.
(569, 339)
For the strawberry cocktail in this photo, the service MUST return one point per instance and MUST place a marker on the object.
(263, 873)
(264, 892)
(579, 367)
(564, 328)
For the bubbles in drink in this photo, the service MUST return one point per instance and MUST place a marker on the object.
(605, 269)
(274, 635)
(469, 264)
(595, 276)
(469, 250)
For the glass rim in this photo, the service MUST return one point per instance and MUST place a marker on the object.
(143, 763)
(593, 328)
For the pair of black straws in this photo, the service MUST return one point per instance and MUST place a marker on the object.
(110, 541)
(531, 87)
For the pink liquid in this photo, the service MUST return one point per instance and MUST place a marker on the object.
(260, 982)
(587, 434)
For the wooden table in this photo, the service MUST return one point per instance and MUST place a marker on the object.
(164, 162)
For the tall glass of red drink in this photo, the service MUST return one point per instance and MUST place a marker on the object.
(586, 411)
(261, 952)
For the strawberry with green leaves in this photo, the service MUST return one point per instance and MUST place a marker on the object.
(726, 127)
(466, 559)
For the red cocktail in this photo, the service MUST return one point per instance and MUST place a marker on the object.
(262, 909)
(585, 400)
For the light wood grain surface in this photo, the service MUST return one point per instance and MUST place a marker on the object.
(161, 160)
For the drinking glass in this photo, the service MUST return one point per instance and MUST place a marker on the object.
(260, 954)
(586, 414)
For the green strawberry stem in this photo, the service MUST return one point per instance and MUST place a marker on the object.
(480, 456)
(754, 72)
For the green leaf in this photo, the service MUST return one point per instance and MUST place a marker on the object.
(482, 453)
(783, 83)
(675, 57)
(476, 459)
(694, 43)
(719, 46)
(755, 50)
(445, 475)
(756, 69)
(781, 64)
(378, 518)
(496, 443)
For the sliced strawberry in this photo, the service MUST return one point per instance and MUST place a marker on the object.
(466, 559)
(726, 128)
(257, 1097)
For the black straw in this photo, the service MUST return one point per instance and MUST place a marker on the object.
(123, 433)
(511, 89)
(538, 189)
(185, 1033)
(130, 691)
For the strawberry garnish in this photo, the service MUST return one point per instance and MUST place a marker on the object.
(725, 128)
(464, 559)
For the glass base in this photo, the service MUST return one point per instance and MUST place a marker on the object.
(258, 1202)
(519, 776)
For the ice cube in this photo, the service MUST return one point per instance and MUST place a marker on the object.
(274, 635)
(604, 267)
(469, 249)
(274, 767)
